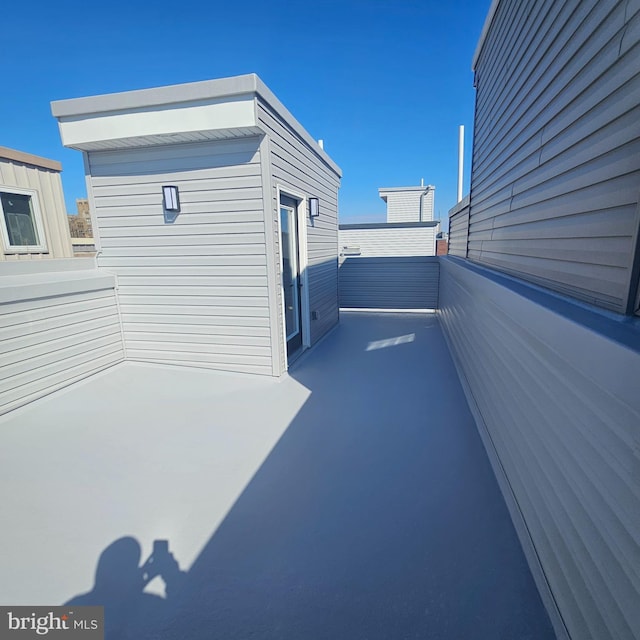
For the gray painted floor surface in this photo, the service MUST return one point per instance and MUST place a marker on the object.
(352, 499)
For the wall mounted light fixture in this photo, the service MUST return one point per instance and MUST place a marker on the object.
(171, 198)
(314, 207)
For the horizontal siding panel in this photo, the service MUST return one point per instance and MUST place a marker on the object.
(387, 282)
(199, 250)
(250, 198)
(229, 174)
(557, 134)
(602, 251)
(561, 408)
(191, 291)
(209, 300)
(172, 281)
(605, 223)
(594, 284)
(228, 342)
(190, 312)
(227, 334)
(19, 371)
(390, 242)
(585, 40)
(55, 337)
(192, 270)
(179, 154)
(110, 246)
(202, 276)
(622, 190)
(458, 231)
(185, 218)
(169, 167)
(233, 185)
(51, 382)
(553, 180)
(167, 263)
(225, 323)
(226, 207)
(17, 314)
(217, 349)
(296, 167)
(234, 231)
(50, 342)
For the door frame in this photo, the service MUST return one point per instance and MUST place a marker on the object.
(301, 215)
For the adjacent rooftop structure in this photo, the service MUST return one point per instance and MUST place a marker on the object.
(33, 221)
(408, 204)
(207, 197)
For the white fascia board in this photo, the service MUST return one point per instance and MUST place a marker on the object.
(236, 112)
(485, 30)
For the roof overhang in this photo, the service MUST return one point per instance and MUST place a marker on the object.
(192, 112)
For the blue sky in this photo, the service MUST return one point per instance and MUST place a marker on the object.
(384, 83)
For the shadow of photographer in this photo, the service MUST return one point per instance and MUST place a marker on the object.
(119, 587)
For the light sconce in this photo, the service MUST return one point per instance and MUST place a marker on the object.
(314, 207)
(171, 199)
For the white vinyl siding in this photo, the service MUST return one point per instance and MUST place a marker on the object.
(55, 329)
(556, 160)
(558, 405)
(458, 228)
(193, 291)
(296, 167)
(411, 241)
(389, 282)
(406, 206)
(47, 186)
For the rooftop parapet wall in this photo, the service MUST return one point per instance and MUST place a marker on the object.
(553, 386)
(59, 324)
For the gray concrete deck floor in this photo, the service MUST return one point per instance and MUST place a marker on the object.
(352, 499)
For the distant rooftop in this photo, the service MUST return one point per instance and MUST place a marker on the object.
(385, 191)
(28, 158)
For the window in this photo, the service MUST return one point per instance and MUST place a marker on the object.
(22, 230)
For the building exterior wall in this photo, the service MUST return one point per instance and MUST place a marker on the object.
(299, 170)
(390, 241)
(42, 177)
(552, 381)
(58, 324)
(192, 290)
(553, 386)
(80, 223)
(204, 288)
(459, 228)
(409, 204)
(556, 155)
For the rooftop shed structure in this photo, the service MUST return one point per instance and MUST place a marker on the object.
(408, 204)
(201, 196)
